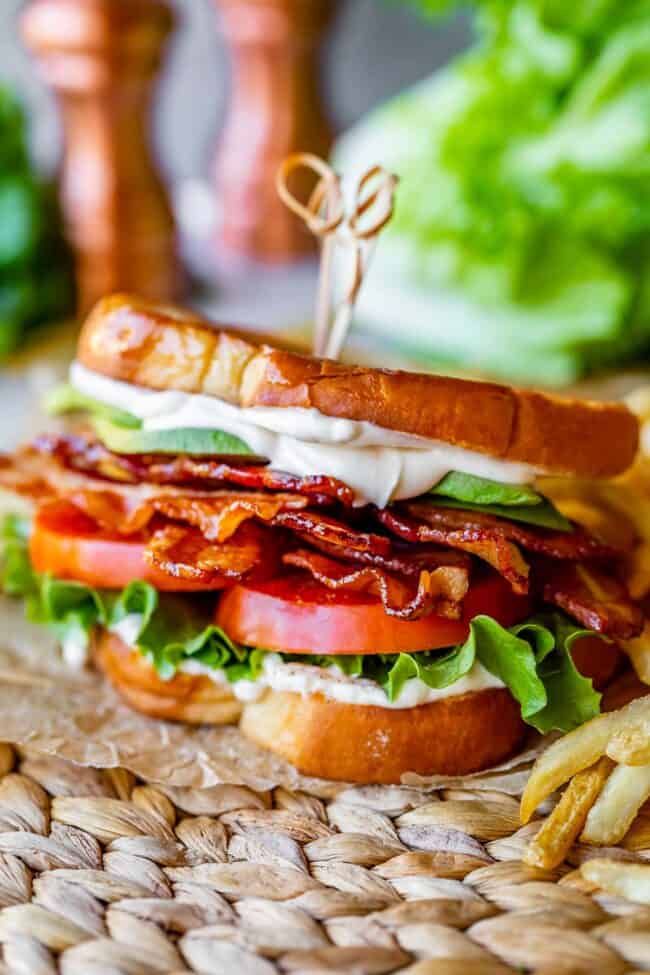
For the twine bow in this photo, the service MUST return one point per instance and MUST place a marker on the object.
(356, 232)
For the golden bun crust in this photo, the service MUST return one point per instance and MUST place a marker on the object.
(194, 699)
(356, 743)
(164, 347)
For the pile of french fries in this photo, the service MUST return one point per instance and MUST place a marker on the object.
(607, 762)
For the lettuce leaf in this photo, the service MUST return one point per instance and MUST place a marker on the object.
(174, 628)
(544, 515)
(533, 659)
(483, 490)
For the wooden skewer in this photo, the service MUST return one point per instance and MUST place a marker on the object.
(356, 232)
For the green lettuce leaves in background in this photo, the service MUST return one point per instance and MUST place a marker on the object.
(521, 236)
(35, 269)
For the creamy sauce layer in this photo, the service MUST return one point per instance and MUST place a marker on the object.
(334, 684)
(380, 465)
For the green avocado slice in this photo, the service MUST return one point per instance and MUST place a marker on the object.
(66, 399)
(191, 440)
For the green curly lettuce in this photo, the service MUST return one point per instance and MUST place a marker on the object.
(521, 234)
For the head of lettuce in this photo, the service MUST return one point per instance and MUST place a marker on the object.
(521, 240)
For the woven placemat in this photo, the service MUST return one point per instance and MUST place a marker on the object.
(101, 874)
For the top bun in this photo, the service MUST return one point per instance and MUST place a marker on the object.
(163, 347)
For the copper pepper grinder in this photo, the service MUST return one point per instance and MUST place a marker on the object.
(275, 109)
(101, 58)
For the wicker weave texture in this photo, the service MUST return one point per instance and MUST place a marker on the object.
(103, 875)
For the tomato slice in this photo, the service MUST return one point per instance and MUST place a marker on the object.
(70, 545)
(295, 614)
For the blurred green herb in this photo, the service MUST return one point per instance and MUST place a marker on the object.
(522, 230)
(35, 269)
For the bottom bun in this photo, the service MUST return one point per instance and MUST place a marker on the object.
(457, 735)
(195, 699)
(330, 740)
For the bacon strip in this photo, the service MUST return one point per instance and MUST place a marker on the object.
(128, 508)
(406, 560)
(600, 602)
(494, 549)
(574, 545)
(183, 553)
(218, 517)
(91, 457)
(315, 527)
(441, 591)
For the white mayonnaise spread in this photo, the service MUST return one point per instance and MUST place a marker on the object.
(334, 684)
(128, 628)
(74, 651)
(380, 465)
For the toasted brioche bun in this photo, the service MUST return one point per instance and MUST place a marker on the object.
(196, 700)
(356, 743)
(163, 347)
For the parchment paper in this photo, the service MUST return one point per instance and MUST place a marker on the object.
(78, 716)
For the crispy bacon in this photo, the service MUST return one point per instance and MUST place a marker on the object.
(441, 591)
(91, 457)
(599, 601)
(313, 526)
(494, 549)
(219, 516)
(492, 539)
(183, 553)
(217, 535)
(406, 560)
(128, 508)
(439, 521)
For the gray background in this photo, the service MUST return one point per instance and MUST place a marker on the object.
(374, 49)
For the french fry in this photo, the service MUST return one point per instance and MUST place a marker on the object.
(611, 816)
(638, 575)
(630, 743)
(638, 835)
(558, 834)
(564, 758)
(630, 880)
(638, 650)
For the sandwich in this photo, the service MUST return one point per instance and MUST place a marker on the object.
(357, 565)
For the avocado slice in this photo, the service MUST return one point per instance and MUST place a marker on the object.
(191, 440)
(66, 399)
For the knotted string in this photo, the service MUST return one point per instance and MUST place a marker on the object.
(354, 231)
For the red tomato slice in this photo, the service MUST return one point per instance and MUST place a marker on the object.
(70, 545)
(295, 614)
